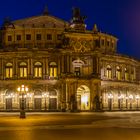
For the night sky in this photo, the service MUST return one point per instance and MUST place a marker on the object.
(120, 18)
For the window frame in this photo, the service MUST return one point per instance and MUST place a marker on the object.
(28, 37)
(8, 70)
(23, 71)
(38, 69)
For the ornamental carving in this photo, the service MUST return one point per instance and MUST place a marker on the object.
(79, 45)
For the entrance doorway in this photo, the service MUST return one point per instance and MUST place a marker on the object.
(83, 98)
(37, 103)
(53, 100)
(37, 100)
(9, 104)
(8, 99)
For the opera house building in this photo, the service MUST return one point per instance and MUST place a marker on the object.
(57, 65)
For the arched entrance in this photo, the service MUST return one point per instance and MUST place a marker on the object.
(8, 99)
(52, 100)
(37, 100)
(83, 98)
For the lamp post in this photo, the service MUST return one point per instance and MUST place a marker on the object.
(126, 102)
(22, 90)
(120, 101)
(130, 97)
(137, 98)
(110, 96)
(45, 96)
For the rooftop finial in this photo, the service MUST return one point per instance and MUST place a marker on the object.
(95, 29)
(45, 12)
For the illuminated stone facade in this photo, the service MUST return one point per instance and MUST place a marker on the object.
(65, 66)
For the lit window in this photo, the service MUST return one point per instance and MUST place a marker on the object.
(118, 73)
(53, 69)
(9, 70)
(23, 69)
(38, 69)
(49, 37)
(126, 74)
(109, 72)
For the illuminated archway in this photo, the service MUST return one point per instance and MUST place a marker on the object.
(83, 98)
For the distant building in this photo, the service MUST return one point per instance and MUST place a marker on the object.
(65, 66)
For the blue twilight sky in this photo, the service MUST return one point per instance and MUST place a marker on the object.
(120, 18)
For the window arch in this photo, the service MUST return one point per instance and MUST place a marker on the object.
(53, 69)
(118, 73)
(37, 69)
(77, 65)
(23, 69)
(109, 72)
(9, 70)
(126, 74)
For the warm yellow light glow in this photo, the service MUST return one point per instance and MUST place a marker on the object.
(84, 99)
(26, 89)
(110, 96)
(22, 89)
(121, 96)
(18, 88)
(9, 72)
(137, 96)
(130, 96)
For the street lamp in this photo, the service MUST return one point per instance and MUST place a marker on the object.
(120, 101)
(45, 95)
(22, 90)
(130, 97)
(137, 98)
(110, 96)
(126, 102)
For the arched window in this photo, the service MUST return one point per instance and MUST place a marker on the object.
(23, 69)
(126, 74)
(9, 70)
(37, 69)
(118, 73)
(53, 69)
(109, 72)
(77, 66)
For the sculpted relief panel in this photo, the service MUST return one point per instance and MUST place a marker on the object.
(79, 44)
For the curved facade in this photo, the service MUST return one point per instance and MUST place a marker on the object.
(65, 67)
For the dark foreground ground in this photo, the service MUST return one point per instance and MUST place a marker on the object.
(71, 126)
